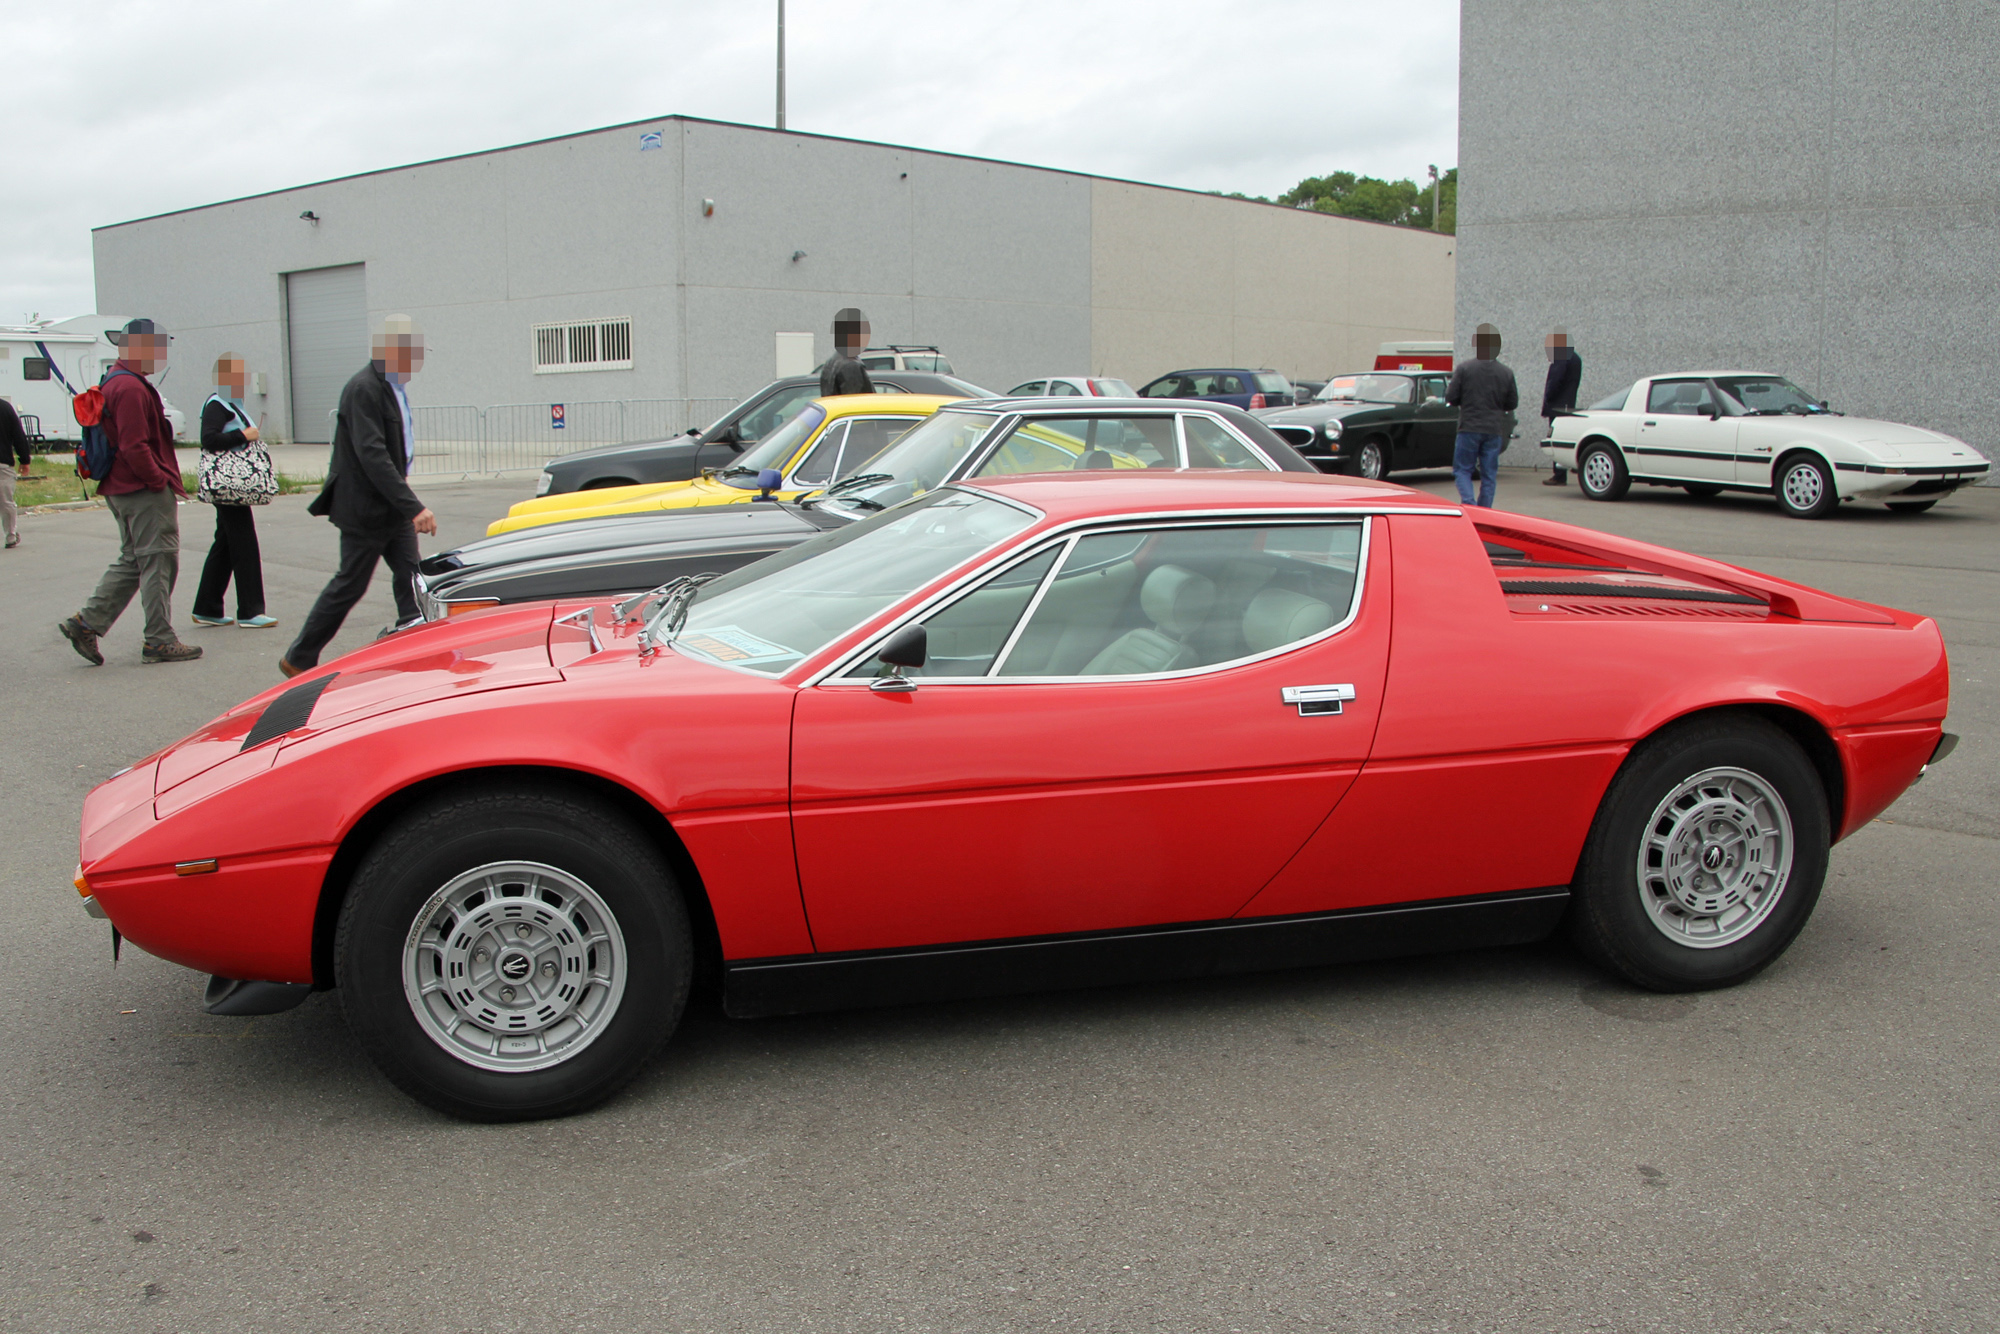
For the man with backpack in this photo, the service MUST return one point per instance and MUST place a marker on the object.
(141, 486)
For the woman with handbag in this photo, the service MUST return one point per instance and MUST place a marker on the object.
(236, 473)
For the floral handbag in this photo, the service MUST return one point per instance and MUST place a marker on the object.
(240, 476)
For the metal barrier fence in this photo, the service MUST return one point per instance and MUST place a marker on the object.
(519, 437)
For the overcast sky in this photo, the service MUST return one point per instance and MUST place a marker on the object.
(126, 108)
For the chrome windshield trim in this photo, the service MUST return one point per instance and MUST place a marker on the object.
(1068, 532)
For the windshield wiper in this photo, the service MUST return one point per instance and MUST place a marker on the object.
(672, 612)
(737, 470)
(860, 479)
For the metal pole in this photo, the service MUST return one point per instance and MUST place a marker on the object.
(1437, 189)
(781, 64)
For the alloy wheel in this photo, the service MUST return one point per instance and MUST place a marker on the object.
(1714, 858)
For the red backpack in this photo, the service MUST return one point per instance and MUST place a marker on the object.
(94, 449)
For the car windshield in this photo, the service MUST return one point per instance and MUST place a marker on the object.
(1768, 395)
(774, 449)
(924, 459)
(769, 616)
(1367, 388)
(970, 390)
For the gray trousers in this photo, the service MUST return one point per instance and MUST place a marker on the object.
(149, 560)
(9, 515)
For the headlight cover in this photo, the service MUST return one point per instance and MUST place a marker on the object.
(542, 487)
(1331, 430)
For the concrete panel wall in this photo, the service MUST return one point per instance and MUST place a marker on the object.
(1181, 279)
(1802, 187)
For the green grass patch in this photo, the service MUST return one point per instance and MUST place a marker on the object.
(53, 480)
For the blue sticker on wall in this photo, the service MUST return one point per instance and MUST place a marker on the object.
(649, 140)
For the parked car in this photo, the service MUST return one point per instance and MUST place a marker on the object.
(1373, 423)
(1304, 391)
(828, 439)
(1020, 733)
(683, 457)
(1070, 386)
(1713, 431)
(1246, 389)
(971, 438)
(905, 357)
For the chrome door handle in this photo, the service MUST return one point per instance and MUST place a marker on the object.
(1313, 700)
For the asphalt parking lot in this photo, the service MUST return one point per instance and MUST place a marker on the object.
(1501, 1140)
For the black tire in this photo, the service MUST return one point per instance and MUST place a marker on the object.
(1609, 480)
(1371, 460)
(606, 483)
(1804, 487)
(1610, 919)
(1910, 506)
(1702, 490)
(433, 848)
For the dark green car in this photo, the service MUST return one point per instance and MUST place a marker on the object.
(1373, 423)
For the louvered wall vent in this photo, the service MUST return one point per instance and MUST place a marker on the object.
(590, 345)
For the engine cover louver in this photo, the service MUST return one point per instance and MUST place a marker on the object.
(288, 711)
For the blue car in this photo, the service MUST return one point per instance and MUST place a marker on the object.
(1246, 389)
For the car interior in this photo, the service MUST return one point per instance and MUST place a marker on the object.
(1136, 602)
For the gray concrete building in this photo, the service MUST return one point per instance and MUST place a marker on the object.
(657, 261)
(1810, 187)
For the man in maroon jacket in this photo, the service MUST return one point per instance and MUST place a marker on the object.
(142, 489)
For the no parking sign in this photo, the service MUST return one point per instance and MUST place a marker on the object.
(555, 416)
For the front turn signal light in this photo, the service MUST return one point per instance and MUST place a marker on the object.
(82, 885)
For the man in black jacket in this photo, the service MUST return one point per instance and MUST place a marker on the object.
(1559, 395)
(367, 493)
(841, 373)
(13, 445)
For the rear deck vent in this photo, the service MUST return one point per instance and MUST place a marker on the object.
(1564, 589)
(288, 711)
(1705, 612)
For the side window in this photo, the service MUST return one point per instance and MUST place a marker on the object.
(879, 363)
(1679, 397)
(924, 363)
(1430, 389)
(34, 368)
(1211, 445)
(774, 412)
(823, 464)
(869, 436)
(1173, 386)
(1138, 602)
(966, 635)
(1064, 444)
(1064, 389)
(1228, 384)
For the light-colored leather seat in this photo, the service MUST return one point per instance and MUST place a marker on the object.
(1279, 616)
(1176, 601)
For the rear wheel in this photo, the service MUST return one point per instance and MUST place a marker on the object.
(1805, 488)
(1910, 506)
(1706, 857)
(1702, 490)
(1601, 474)
(512, 953)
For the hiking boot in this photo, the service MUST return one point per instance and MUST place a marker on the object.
(81, 638)
(174, 652)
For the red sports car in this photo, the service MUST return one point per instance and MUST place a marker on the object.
(1021, 733)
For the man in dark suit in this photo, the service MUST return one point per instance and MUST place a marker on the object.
(841, 373)
(367, 493)
(1559, 394)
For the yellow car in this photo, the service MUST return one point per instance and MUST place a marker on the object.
(830, 438)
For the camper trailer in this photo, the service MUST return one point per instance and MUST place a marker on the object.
(35, 360)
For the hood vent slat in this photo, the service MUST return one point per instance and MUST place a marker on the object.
(288, 711)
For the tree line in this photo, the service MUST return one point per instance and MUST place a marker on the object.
(1399, 203)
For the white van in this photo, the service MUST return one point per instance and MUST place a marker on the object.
(30, 356)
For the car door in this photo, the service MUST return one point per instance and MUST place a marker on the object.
(1435, 429)
(1102, 737)
(1681, 438)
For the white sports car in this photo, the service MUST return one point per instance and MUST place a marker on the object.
(1714, 431)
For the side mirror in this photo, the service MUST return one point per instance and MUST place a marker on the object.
(908, 647)
(767, 482)
(1714, 411)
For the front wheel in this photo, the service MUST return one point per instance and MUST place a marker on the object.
(1706, 857)
(512, 953)
(1371, 461)
(1910, 506)
(1805, 488)
(1601, 473)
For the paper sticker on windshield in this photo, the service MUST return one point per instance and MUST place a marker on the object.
(729, 643)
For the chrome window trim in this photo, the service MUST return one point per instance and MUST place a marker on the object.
(1076, 530)
(989, 444)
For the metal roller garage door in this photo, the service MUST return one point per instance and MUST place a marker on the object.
(327, 314)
